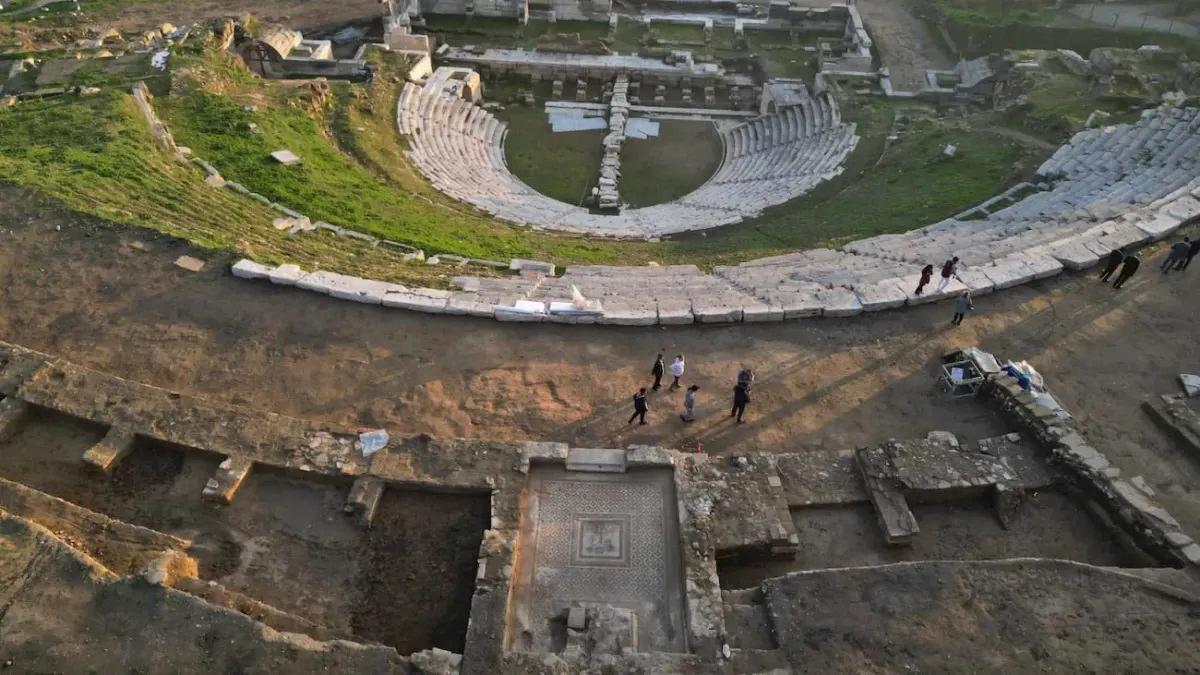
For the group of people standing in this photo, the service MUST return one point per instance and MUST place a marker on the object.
(641, 405)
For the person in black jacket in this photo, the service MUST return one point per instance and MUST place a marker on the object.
(1195, 248)
(1111, 265)
(639, 406)
(1127, 270)
(657, 371)
(926, 275)
(740, 398)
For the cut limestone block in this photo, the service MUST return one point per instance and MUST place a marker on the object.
(975, 281)
(427, 300)
(189, 263)
(12, 414)
(521, 265)
(596, 460)
(883, 295)
(364, 498)
(469, 304)
(759, 312)
(115, 445)
(839, 301)
(796, 303)
(366, 291)
(723, 308)
(229, 477)
(285, 157)
(1008, 273)
(930, 293)
(675, 311)
(1042, 266)
(286, 275)
(1074, 255)
(1120, 235)
(629, 316)
(323, 282)
(248, 269)
(1159, 226)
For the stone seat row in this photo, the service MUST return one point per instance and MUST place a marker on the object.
(460, 148)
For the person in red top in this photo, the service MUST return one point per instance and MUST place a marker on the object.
(948, 269)
(926, 275)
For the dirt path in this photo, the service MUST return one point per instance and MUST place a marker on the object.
(906, 45)
(85, 294)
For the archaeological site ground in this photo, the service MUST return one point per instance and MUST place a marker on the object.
(328, 336)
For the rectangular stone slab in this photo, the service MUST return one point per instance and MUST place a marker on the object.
(596, 460)
(1074, 255)
(229, 477)
(839, 302)
(115, 445)
(975, 281)
(883, 295)
(286, 275)
(717, 309)
(363, 500)
(248, 269)
(675, 311)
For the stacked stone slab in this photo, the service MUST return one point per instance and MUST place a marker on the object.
(460, 148)
(609, 197)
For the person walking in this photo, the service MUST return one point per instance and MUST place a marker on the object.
(948, 270)
(1176, 256)
(1192, 251)
(740, 398)
(1128, 267)
(961, 306)
(657, 371)
(926, 275)
(677, 367)
(1111, 265)
(689, 404)
(639, 407)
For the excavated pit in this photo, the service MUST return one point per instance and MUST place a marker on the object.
(1054, 523)
(285, 540)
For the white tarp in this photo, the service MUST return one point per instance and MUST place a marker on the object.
(641, 127)
(574, 120)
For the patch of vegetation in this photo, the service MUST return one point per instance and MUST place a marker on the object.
(562, 165)
(96, 156)
(666, 167)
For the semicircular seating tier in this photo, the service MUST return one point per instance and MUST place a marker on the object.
(1106, 189)
(767, 161)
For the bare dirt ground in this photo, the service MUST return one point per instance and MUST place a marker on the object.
(82, 292)
(906, 45)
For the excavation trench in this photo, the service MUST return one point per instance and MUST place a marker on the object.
(406, 581)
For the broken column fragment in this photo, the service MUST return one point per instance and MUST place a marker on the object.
(364, 498)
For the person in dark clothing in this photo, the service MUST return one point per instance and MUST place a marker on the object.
(1192, 251)
(1177, 255)
(1128, 268)
(1111, 265)
(948, 270)
(926, 275)
(740, 398)
(639, 406)
(657, 371)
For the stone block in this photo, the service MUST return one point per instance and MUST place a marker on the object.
(839, 301)
(717, 309)
(522, 265)
(1159, 226)
(367, 291)
(1042, 266)
(286, 275)
(577, 618)
(672, 312)
(415, 301)
(189, 263)
(630, 316)
(759, 312)
(285, 157)
(468, 304)
(323, 282)
(883, 295)
(930, 293)
(229, 477)
(248, 269)
(363, 500)
(115, 445)
(975, 280)
(12, 414)
(596, 460)
(1007, 273)
(1074, 255)
(1191, 553)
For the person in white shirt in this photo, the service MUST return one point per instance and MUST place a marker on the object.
(677, 370)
